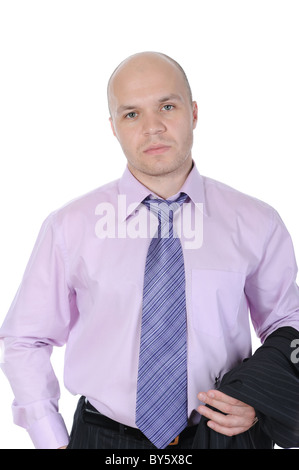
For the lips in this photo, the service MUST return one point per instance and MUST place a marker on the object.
(156, 149)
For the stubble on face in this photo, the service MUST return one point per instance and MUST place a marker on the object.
(139, 78)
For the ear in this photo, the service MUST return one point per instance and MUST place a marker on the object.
(194, 113)
(112, 126)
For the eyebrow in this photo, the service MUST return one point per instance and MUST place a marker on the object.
(123, 108)
(170, 97)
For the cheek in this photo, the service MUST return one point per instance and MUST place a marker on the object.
(129, 141)
(182, 132)
(124, 136)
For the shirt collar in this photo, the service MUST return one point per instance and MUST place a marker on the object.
(136, 192)
(194, 186)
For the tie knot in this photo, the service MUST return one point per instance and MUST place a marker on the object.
(164, 206)
(164, 209)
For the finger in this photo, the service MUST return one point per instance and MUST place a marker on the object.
(226, 404)
(216, 394)
(220, 396)
(227, 431)
(220, 418)
(229, 425)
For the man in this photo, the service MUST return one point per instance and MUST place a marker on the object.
(84, 283)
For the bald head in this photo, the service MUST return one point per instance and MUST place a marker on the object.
(141, 63)
(152, 115)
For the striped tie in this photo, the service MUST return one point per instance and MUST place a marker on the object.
(161, 411)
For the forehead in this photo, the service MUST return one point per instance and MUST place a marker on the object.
(146, 80)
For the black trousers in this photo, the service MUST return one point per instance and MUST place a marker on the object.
(92, 430)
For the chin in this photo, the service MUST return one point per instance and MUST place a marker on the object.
(162, 170)
(159, 165)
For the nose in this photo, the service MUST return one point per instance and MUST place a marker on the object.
(153, 125)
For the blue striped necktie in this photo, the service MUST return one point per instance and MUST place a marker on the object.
(161, 410)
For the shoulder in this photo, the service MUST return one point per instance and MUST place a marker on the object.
(240, 212)
(86, 204)
(222, 196)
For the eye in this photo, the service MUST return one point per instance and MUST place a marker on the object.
(168, 107)
(131, 115)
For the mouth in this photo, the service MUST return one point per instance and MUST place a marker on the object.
(157, 149)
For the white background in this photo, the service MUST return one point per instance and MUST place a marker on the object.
(241, 58)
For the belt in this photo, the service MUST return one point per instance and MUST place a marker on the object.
(93, 416)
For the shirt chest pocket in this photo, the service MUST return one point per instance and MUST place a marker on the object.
(215, 299)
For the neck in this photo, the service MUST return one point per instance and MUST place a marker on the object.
(167, 184)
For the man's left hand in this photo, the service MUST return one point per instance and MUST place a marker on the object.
(238, 417)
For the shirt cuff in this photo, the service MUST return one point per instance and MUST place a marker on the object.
(49, 432)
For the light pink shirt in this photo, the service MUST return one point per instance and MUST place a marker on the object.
(83, 287)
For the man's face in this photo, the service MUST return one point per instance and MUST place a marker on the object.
(152, 116)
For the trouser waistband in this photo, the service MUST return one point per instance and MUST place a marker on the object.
(93, 416)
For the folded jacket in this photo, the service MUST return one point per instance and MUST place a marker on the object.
(269, 382)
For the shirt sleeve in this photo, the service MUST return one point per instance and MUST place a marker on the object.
(38, 319)
(271, 290)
